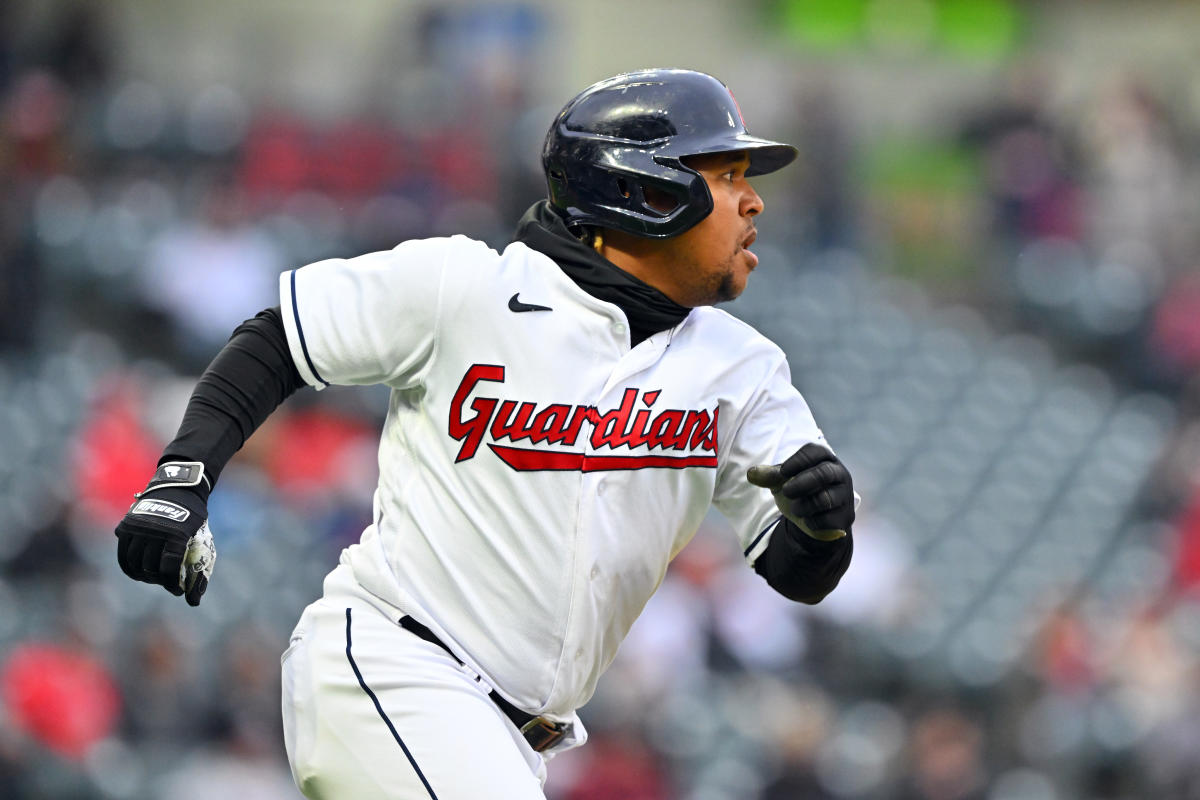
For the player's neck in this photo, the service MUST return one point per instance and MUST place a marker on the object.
(648, 260)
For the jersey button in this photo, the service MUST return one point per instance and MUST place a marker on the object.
(595, 573)
(600, 488)
(619, 328)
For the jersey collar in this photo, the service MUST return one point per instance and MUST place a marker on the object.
(647, 309)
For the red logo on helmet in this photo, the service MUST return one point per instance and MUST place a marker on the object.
(738, 108)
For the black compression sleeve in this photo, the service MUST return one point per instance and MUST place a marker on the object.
(246, 381)
(800, 567)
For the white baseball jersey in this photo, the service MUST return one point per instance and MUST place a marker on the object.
(537, 474)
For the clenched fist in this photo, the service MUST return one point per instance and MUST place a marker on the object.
(813, 489)
(164, 537)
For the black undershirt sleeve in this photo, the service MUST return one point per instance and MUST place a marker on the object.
(246, 381)
(802, 568)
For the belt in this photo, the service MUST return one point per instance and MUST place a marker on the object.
(539, 732)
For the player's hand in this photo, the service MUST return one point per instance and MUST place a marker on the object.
(813, 489)
(164, 538)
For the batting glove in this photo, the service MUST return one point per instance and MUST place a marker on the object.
(813, 489)
(164, 537)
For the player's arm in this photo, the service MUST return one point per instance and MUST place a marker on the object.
(787, 495)
(164, 538)
(810, 547)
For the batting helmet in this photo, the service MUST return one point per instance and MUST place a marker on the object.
(629, 132)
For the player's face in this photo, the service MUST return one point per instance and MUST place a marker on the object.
(713, 260)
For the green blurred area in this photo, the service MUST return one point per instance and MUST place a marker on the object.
(971, 29)
(925, 199)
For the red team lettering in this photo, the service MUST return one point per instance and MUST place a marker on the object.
(625, 427)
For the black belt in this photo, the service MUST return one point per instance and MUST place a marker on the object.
(539, 732)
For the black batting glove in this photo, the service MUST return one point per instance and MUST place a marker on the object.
(813, 489)
(164, 537)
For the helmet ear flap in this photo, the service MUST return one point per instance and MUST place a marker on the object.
(652, 198)
(684, 186)
(649, 198)
(664, 198)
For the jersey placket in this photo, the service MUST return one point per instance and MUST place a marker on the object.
(593, 495)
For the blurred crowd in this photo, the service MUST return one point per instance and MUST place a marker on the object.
(138, 227)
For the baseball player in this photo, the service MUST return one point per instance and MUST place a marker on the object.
(562, 416)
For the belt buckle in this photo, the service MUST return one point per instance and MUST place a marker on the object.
(542, 734)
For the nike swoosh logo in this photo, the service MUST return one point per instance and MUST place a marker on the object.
(516, 305)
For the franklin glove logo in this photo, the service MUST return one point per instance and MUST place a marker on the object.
(160, 508)
(683, 438)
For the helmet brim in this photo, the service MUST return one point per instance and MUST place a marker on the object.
(765, 156)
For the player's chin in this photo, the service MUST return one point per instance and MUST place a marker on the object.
(732, 284)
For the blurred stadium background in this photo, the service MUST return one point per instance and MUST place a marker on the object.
(986, 272)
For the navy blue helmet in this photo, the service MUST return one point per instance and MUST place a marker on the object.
(631, 131)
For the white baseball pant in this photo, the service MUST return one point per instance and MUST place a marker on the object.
(372, 711)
